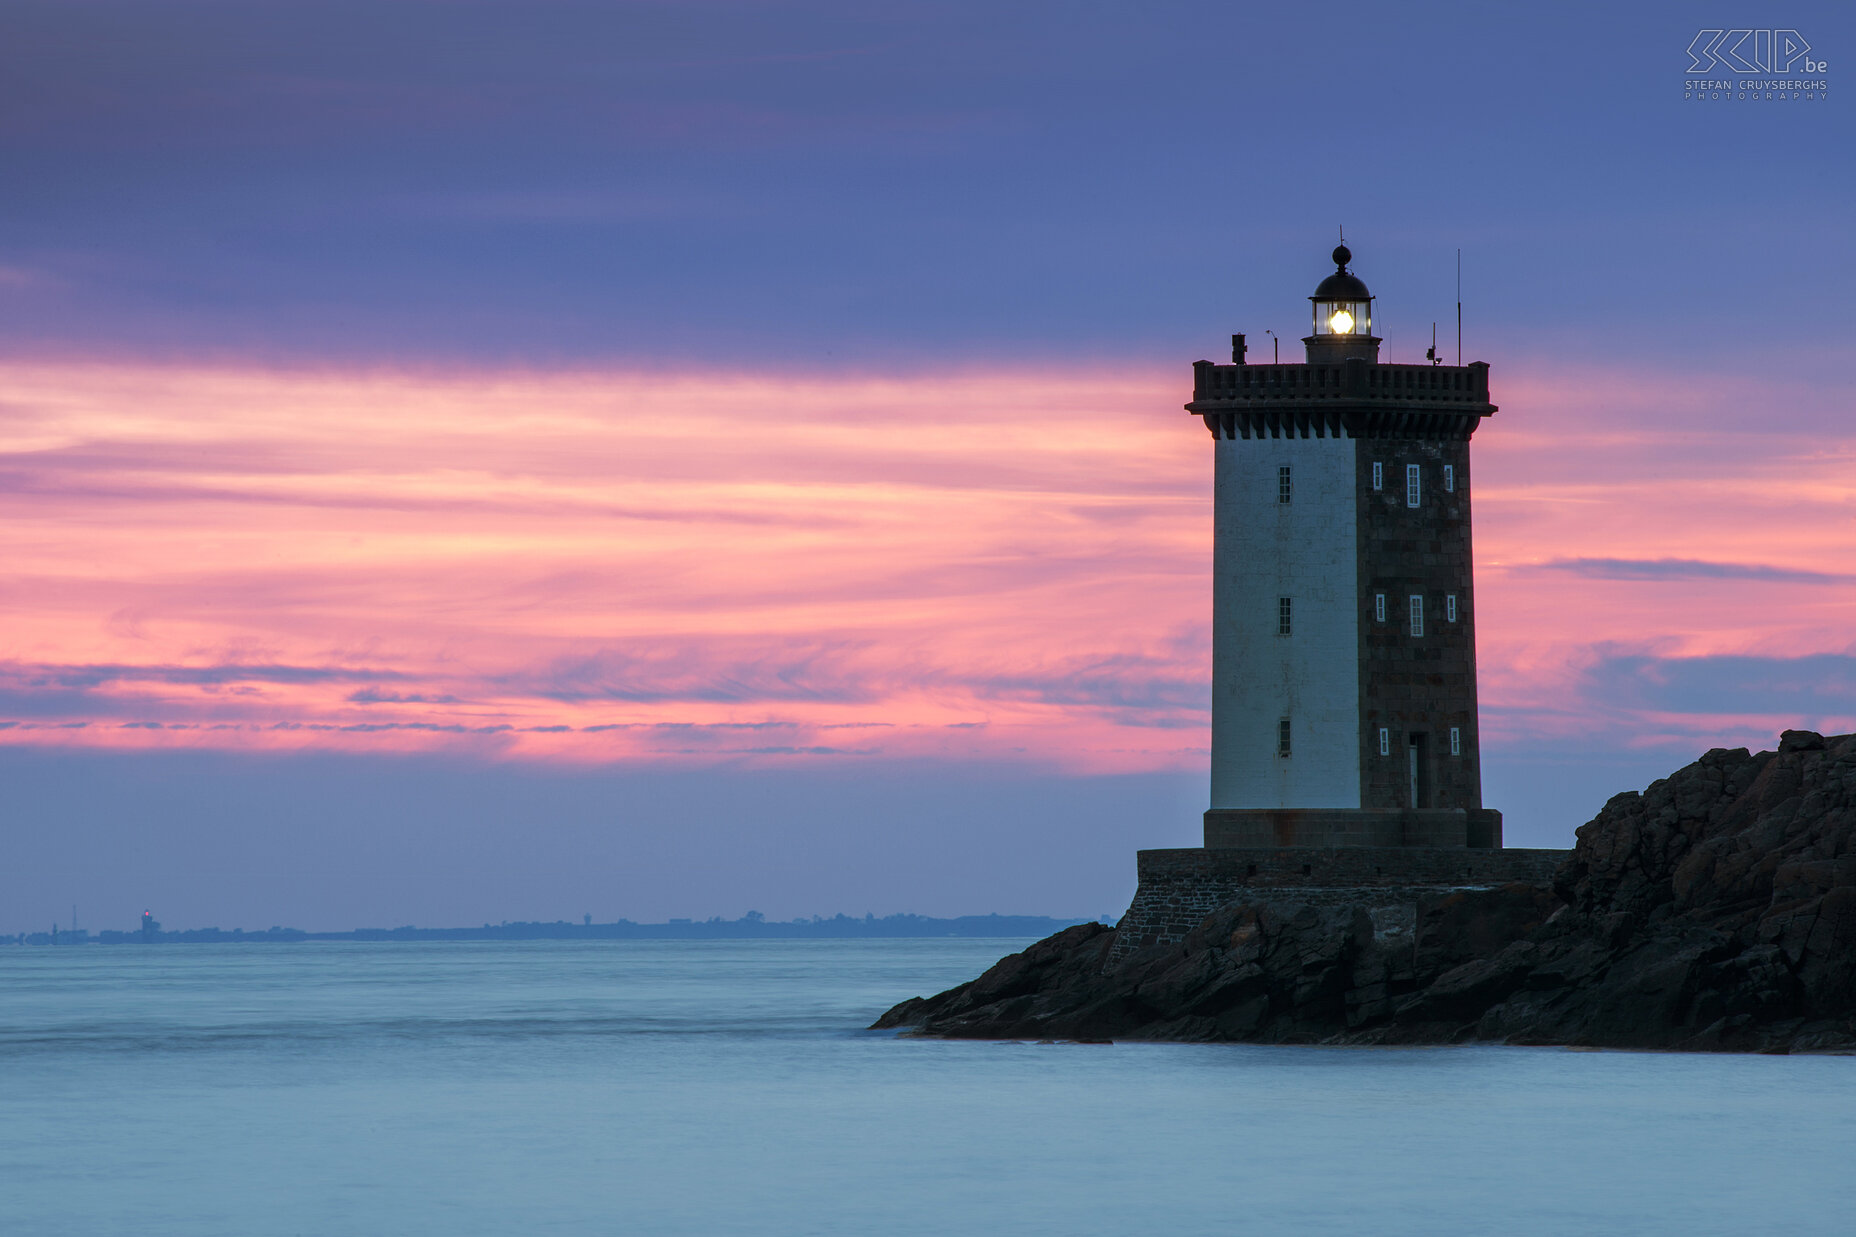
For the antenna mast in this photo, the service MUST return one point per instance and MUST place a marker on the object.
(1459, 308)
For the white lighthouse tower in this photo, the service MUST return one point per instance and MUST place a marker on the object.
(1344, 653)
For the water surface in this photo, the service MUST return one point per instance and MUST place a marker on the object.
(560, 1087)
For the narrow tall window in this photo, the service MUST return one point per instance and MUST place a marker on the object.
(1379, 607)
(1284, 490)
(1411, 485)
(1450, 477)
(1385, 741)
(1417, 614)
(1285, 615)
(1282, 736)
(1456, 741)
(1379, 475)
(1450, 607)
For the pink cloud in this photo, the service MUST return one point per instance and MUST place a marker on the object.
(1006, 564)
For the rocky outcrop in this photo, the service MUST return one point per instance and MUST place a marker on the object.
(1716, 910)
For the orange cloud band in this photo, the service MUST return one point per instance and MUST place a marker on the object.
(1007, 564)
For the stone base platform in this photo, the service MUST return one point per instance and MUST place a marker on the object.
(1254, 828)
(1179, 888)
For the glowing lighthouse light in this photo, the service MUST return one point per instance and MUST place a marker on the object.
(1343, 307)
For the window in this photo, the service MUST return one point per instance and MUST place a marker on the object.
(1285, 614)
(1385, 741)
(1379, 475)
(1411, 485)
(1450, 607)
(1456, 741)
(1379, 607)
(1283, 487)
(1282, 736)
(1450, 477)
(1417, 614)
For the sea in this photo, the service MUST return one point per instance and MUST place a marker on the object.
(729, 1087)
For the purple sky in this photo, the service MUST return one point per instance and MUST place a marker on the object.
(276, 280)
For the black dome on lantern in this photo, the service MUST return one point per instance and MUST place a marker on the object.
(1342, 285)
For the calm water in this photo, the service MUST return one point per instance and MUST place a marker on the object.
(718, 1088)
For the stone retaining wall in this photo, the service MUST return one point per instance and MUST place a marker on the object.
(1179, 888)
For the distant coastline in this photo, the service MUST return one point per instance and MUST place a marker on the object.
(749, 927)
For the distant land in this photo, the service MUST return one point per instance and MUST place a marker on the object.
(751, 926)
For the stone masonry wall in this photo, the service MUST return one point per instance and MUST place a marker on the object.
(1264, 550)
(1179, 888)
(1409, 684)
(1305, 827)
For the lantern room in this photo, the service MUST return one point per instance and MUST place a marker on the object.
(1343, 313)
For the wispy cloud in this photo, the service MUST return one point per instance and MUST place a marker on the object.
(600, 565)
(1815, 685)
(373, 695)
(1689, 569)
(609, 566)
(89, 676)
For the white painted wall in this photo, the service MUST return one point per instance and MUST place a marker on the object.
(1266, 550)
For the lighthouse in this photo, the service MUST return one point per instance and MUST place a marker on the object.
(1343, 605)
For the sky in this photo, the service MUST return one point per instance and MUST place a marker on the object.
(464, 462)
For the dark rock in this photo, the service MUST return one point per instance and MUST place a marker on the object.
(1800, 741)
(1478, 923)
(1714, 911)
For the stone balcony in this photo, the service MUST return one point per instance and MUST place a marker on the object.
(1353, 398)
